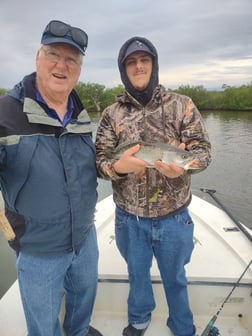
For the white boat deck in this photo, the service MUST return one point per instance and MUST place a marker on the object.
(219, 251)
(220, 256)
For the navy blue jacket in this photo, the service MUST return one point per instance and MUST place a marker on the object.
(47, 173)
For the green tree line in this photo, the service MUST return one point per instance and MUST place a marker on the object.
(229, 98)
(96, 97)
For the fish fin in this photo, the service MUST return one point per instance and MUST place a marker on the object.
(194, 164)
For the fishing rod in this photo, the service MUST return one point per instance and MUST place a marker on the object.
(212, 192)
(210, 330)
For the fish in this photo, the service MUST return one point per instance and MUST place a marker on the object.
(150, 152)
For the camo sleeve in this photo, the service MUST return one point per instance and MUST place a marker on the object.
(195, 136)
(106, 141)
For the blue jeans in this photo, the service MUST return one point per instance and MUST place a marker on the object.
(42, 279)
(170, 240)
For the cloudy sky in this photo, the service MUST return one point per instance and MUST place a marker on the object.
(199, 42)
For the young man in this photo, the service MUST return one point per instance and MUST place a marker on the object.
(152, 218)
(48, 181)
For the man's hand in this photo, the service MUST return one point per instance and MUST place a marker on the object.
(170, 170)
(128, 163)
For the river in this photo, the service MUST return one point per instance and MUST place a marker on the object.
(229, 173)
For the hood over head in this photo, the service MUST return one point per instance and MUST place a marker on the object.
(132, 45)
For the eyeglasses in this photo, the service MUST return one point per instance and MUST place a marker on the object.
(54, 56)
(60, 29)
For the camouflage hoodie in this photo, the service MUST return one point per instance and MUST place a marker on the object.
(167, 117)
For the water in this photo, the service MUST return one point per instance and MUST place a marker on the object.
(230, 174)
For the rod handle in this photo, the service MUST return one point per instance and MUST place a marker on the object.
(6, 228)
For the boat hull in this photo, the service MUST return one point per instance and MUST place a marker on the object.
(221, 254)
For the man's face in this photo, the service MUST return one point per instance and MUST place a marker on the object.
(58, 68)
(138, 66)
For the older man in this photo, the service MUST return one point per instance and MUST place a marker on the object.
(48, 181)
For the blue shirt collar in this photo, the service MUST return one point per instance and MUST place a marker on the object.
(52, 113)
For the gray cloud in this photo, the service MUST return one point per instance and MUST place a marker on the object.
(200, 42)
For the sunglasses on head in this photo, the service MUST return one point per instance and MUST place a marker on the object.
(60, 29)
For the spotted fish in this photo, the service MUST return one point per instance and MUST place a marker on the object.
(150, 152)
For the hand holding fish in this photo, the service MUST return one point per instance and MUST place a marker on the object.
(170, 170)
(129, 163)
(170, 160)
